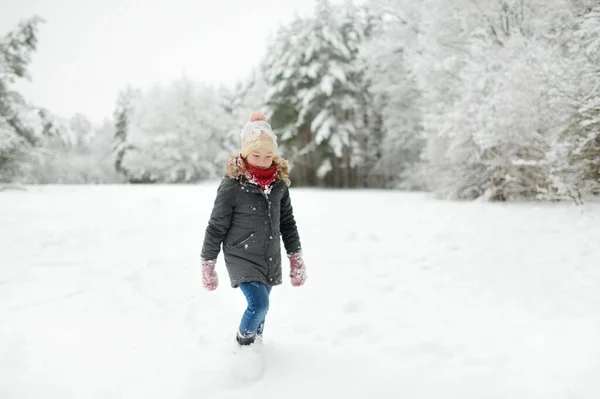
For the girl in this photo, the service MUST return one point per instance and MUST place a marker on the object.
(251, 210)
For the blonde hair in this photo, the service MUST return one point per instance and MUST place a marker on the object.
(235, 169)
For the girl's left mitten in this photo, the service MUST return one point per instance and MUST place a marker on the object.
(297, 269)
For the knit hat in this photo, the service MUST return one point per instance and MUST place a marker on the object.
(257, 133)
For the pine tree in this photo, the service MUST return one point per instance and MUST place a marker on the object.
(122, 116)
(317, 94)
(16, 135)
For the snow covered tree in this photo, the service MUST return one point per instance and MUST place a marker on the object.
(75, 153)
(397, 143)
(81, 126)
(16, 136)
(246, 97)
(175, 134)
(317, 95)
(122, 116)
(480, 71)
(504, 91)
(575, 156)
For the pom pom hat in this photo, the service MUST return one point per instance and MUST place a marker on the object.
(257, 133)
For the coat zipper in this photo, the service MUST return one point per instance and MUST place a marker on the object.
(268, 258)
(269, 232)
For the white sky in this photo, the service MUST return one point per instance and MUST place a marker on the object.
(90, 49)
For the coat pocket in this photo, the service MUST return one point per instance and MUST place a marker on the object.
(243, 240)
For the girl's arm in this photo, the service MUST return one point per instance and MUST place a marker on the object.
(220, 218)
(287, 225)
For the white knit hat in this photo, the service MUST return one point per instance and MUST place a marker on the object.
(257, 133)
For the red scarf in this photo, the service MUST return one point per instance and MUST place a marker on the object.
(262, 177)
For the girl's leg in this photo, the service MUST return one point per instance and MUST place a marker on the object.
(257, 295)
(261, 326)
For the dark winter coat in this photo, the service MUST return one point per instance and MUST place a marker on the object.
(249, 224)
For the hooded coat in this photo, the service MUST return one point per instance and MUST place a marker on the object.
(249, 222)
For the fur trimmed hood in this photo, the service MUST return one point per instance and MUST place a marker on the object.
(235, 168)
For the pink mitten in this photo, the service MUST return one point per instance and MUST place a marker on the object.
(210, 279)
(297, 269)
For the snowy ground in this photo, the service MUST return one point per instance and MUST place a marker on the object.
(407, 297)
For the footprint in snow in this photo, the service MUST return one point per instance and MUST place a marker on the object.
(354, 330)
(352, 307)
(388, 288)
(423, 349)
(453, 248)
(381, 275)
(374, 238)
(432, 349)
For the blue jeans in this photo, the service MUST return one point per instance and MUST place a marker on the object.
(253, 320)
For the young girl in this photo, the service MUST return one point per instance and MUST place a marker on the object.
(251, 210)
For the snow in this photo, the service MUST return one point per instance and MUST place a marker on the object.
(327, 83)
(101, 296)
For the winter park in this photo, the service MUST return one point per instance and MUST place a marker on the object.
(317, 198)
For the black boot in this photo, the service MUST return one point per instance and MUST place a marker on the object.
(241, 340)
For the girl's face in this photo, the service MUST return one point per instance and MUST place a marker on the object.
(260, 158)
